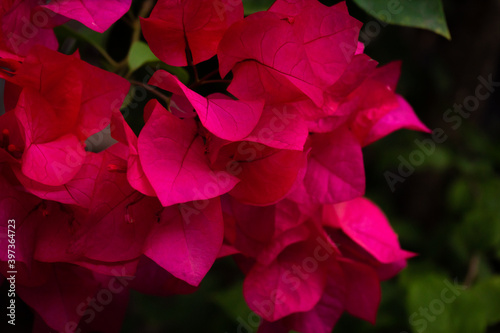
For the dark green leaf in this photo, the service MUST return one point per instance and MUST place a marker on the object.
(253, 6)
(425, 14)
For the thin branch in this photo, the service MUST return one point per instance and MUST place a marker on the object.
(209, 75)
(151, 89)
(473, 270)
(201, 83)
(147, 6)
(97, 47)
(189, 57)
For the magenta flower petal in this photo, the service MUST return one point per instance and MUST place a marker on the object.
(367, 225)
(276, 290)
(195, 25)
(362, 290)
(172, 156)
(97, 15)
(187, 239)
(226, 118)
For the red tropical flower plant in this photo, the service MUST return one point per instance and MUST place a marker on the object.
(269, 171)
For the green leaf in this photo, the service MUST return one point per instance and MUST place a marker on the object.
(426, 309)
(477, 308)
(425, 14)
(480, 228)
(253, 6)
(85, 37)
(140, 54)
(468, 314)
(488, 291)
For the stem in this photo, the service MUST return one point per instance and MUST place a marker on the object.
(97, 47)
(203, 82)
(147, 6)
(473, 270)
(151, 89)
(191, 64)
(209, 75)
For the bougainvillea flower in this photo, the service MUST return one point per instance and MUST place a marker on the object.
(353, 279)
(118, 220)
(266, 174)
(57, 292)
(26, 23)
(366, 225)
(324, 315)
(267, 60)
(335, 170)
(272, 174)
(178, 30)
(337, 108)
(187, 239)
(281, 58)
(269, 177)
(353, 251)
(350, 286)
(226, 118)
(400, 117)
(119, 225)
(280, 126)
(60, 101)
(108, 232)
(78, 191)
(328, 34)
(381, 104)
(122, 132)
(20, 30)
(98, 16)
(172, 154)
(264, 232)
(353, 272)
(276, 290)
(363, 290)
(53, 290)
(364, 98)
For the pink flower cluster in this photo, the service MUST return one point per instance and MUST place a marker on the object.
(270, 171)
